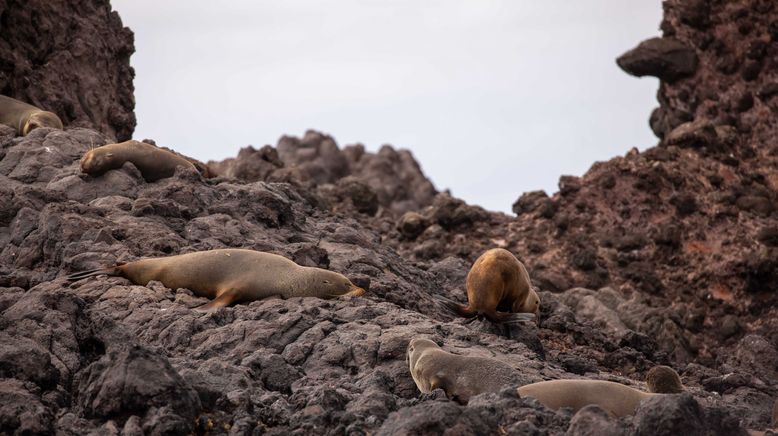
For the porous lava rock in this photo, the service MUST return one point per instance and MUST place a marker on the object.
(71, 58)
(663, 256)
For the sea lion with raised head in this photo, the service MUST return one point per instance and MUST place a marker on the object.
(460, 377)
(153, 162)
(498, 288)
(25, 117)
(619, 399)
(232, 275)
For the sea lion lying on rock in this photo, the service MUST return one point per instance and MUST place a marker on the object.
(153, 162)
(232, 275)
(25, 117)
(619, 399)
(460, 377)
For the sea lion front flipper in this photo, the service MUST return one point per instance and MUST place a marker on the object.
(223, 300)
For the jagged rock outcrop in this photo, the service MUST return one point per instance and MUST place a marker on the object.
(390, 179)
(71, 58)
(104, 355)
(666, 256)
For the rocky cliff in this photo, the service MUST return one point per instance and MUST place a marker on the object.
(666, 256)
(71, 58)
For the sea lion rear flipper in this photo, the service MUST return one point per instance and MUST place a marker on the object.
(519, 318)
(111, 271)
(509, 318)
(223, 300)
(453, 307)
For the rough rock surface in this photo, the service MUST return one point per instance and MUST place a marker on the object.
(71, 58)
(666, 256)
(389, 182)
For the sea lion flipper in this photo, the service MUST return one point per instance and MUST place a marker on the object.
(453, 307)
(518, 318)
(223, 300)
(438, 381)
(111, 271)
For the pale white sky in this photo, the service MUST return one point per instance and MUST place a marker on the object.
(494, 98)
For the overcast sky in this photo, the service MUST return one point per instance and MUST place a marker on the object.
(494, 98)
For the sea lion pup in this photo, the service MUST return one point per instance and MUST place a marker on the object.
(25, 117)
(153, 162)
(232, 275)
(460, 377)
(498, 281)
(663, 380)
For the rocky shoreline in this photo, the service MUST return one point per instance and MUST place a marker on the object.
(665, 256)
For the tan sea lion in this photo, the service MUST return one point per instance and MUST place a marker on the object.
(497, 284)
(663, 380)
(25, 117)
(153, 162)
(460, 377)
(619, 399)
(232, 275)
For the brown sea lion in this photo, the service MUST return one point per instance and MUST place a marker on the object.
(460, 377)
(232, 275)
(496, 285)
(663, 380)
(25, 117)
(153, 162)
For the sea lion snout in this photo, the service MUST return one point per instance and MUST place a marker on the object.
(87, 161)
(355, 291)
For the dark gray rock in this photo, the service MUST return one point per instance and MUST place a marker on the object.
(593, 420)
(71, 59)
(665, 58)
(136, 381)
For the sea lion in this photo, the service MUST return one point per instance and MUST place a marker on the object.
(232, 275)
(25, 117)
(498, 281)
(153, 162)
(460, 377)
(619, 399)
(663, 380)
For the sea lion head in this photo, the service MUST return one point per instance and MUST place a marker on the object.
(97, 161)
(531, 305)
(663, 380)
(331, 284)
(41, 119)
(416, 348)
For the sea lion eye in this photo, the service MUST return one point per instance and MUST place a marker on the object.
(326, 282)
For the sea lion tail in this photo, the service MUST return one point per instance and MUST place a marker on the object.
(109, 270)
